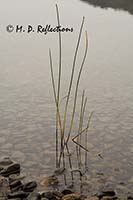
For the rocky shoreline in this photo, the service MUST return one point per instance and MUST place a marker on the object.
(12, 186)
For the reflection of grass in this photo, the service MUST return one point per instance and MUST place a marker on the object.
(62, 138)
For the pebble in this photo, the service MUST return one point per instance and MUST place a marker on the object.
(15, 189)
(48, 195)
(6, 161)
(105, 193)
(34, 196)
(11, 169)
(17, 195)
(67, 191)
(30, 186)
(15, 185)
(72, 196)
(50, 180)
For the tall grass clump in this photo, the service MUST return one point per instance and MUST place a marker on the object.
(62, 135)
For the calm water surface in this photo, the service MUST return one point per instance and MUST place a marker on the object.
(27, 123)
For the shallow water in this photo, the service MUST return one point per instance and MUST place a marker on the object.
(27, 123)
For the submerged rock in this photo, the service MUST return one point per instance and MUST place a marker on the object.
(15, 185)
(57, 194)
(49, 181)
(73, 196)
(109, 198)
(130, 197)
(34, 196)
(15, 177)
(4, 187)
(30, 186)
(67, 191)
(11, 169)
(6, 161)
(18, 195)
(48, 195)
(105, 193)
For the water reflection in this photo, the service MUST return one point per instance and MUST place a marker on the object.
(118, 4)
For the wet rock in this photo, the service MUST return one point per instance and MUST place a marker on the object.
(15, 177)
(67, 191)
(34, 196)
(72, 196)
(30, 186)
(105, 193)
(43, 198)
(130, 198)
(11, 169)
(48, 195)
(15, 185)
(109, 198)
(93, 198)
(18, 195)
(49, 181)
(6, 161)
(57, 194)
(4, 186)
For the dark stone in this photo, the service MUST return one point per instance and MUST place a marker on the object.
(34, 196)
(11, 169)
(130, 197)
(18, 195)
(57, 194)
(73, 196)
(30, 186)
(15, 177)
(48, 195)
(109, 198)
(15, 184)
(67, 191)
(105, 193)
(6, 161)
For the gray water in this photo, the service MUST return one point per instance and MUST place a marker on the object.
(27, 122)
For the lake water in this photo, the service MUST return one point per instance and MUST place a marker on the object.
(27, 122)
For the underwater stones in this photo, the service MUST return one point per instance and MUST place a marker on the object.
(6, 161)
(130, 197)
(93, 198)
(58, 194)
(55, 195)
(30, 186)
(14, 177)
(73, 196)
(14, 168)
(16, 195)
(49, 181)
(15, 184)
(4, 186)
(67, 191)
(47, 195)
(105, 192)
(109, 198)
(34, 196)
